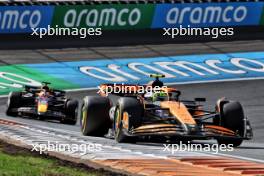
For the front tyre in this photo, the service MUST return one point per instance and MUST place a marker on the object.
(14, 101)
(71, 112)
(128, 115)
(233, 119)
(94, 116)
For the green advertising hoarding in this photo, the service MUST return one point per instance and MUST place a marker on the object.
(120, 16)
(262, 17)
(13, 77)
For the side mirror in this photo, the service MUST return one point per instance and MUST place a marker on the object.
(200, 99)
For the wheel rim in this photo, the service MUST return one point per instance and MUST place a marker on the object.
(84, 119)
(117, 121)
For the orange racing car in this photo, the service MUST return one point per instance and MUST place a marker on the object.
(133, 115)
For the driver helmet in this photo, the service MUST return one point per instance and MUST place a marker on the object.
(157, 83)
(160, 96)
(46, 88)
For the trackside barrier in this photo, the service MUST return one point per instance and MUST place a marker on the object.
(132, 23)
(20, 19)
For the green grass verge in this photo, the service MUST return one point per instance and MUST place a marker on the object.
(16, 161)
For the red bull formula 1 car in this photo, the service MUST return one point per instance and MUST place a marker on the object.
(130, 116)
(42, 103)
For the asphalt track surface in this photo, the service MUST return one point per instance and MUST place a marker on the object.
(249, 93)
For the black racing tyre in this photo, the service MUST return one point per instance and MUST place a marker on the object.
(14, 101)
(217, 118)
(134, 108)
(71, 112)
(233, 118)
(94, 116)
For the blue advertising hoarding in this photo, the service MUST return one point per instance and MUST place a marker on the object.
(207, 14)
(20, 19)
(178, 69)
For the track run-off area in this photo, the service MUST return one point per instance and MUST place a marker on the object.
(239, 79)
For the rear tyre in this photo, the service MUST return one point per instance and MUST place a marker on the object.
(233, 119)
(14, 101)
(217, 118)
(71, 112)
(94, 116)
(134, 110)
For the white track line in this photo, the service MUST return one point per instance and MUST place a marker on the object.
(152, 155)
(220, 154)
(3, 96)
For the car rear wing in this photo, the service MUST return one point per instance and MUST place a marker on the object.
(32, 89)
(59, 92)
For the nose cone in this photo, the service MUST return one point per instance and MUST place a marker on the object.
(42, 108)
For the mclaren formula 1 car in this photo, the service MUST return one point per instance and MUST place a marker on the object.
(42, 103)
(130, 116)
